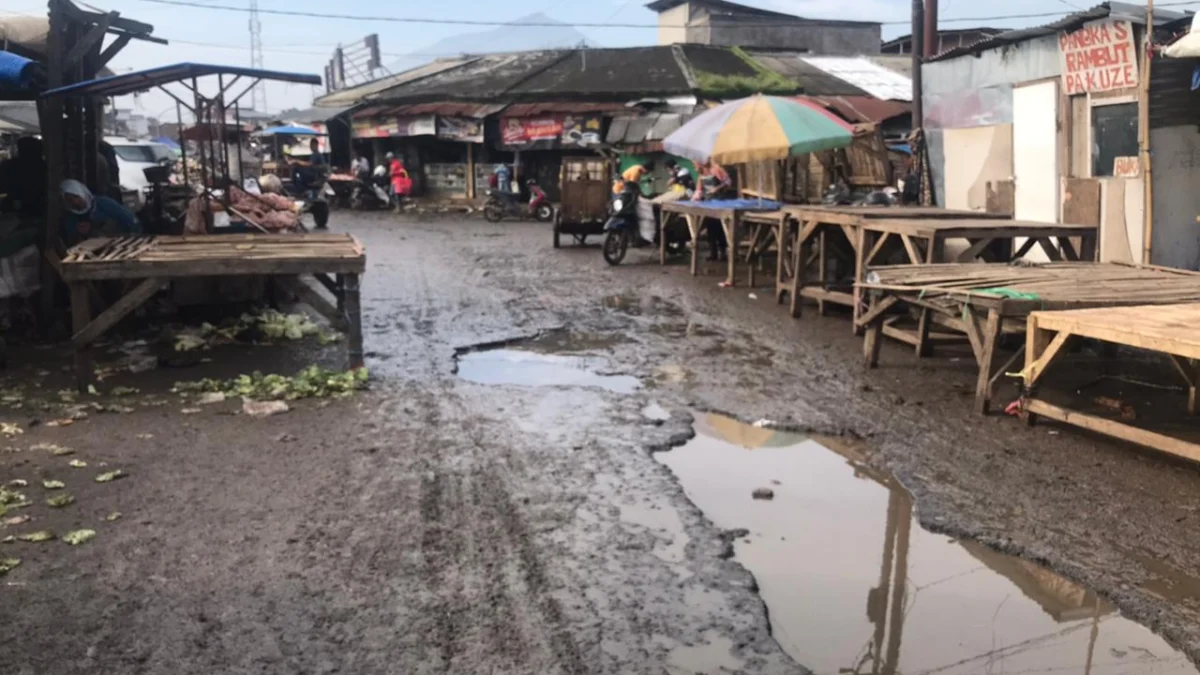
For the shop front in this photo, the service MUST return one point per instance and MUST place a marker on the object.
(540, 142)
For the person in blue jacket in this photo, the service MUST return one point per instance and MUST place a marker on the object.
(92, 216)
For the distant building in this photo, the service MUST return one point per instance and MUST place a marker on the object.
(947, 39)
(722, 23)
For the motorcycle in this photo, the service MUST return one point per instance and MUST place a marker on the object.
(500, 204)
(622, 229)
(371, 192)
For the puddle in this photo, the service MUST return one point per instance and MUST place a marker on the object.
(655, 412)
(706, 658)
(568, 342)
(854, 585)
(532, 369)
(665, 524)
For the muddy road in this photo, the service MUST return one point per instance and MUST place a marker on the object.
(531, 485)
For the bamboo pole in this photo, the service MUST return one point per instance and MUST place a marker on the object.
(1144, 122)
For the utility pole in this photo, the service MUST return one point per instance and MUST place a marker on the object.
(931, 29)
(918, 48)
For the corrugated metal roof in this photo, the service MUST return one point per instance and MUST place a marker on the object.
(812, 80)
(1118, 10)
(622, 72)
(866, 75)
(652, 127)
(561, 107)
(447, 109)
(859, 109)
(355, 95)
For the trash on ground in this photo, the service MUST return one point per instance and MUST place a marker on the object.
(77, 464)
(18, 482)
(145, 437)
(16, 520)
(77, 537)
(10, 430)
(53, 484)
(312, 382)
(64, 422)
(763, 493)
(60, 500)
(36, 537)
(113, 517)
(125, 391)
(263, 408)
(54, 449)
(110, 476)
(211, 397)
(191, 411)
(7, 564)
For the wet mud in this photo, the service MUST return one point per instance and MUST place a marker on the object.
(491, 505)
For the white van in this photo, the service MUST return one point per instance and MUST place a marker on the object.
(132, 157)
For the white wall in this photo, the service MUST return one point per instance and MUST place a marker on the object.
(671, 25)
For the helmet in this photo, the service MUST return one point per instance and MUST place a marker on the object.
(390, 156)
(531, 182)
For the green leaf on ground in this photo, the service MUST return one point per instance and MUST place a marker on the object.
(18, 482)
(10, 497)
(125, 391)
(110, 476)
(77, 537)
(51, 484)
(9, 429)
(36, 537)
(113, 517)
(77, 463)
(60, 500)
(92, 390)
(54, 449)
(7, 564)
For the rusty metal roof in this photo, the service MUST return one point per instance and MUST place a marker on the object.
(561, 107)
(859, 109)
(446, 109)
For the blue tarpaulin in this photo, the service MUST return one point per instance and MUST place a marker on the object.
(291, 131)
(739, 204)
(16, 72)
(163, 140)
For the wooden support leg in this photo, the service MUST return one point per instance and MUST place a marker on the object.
(822, 271)
(987, 359)
(354, 342)
(1190, 375)
(1087, 248)
(730, 226)
(81, 316)
(309, 296)
(934, 251)
(1036, 342)
(781, 232)
(872, 341)
(694, 231)
(860, 262)
(799, 273)
(663, 219)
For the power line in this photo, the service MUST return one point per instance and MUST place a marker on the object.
(556, 24)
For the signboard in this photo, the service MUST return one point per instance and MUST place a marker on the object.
(390, 127)
(521, 130)
(581, 131)
(1126, 167)
(1100, 56)
(466, 129)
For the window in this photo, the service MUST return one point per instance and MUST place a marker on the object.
(1114, 134)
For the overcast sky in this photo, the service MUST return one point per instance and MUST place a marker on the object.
(305, 44)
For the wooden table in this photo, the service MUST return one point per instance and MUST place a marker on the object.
(983, 301)
(1167, 329)
(695, 213)
(155, 260)
(821, 236)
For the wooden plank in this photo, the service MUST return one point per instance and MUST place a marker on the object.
(1081, 201)
(990, 335)
(877, 310)
(90, 332)
(1125, 432)
(354, 336)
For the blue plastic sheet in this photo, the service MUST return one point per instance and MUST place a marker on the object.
(16, 72)
(739, 204)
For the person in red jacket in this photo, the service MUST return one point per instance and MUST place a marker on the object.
(401, 182)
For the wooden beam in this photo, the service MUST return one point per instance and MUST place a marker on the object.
(113, 49)
(877, 310)
(910, 247)
(1039, 363)
(94, 35)
(977, 247)
(990, 335)
(309, 296)
(1125, 432)
(89, 333)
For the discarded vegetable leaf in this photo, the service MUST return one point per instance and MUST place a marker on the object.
(8, 540)
(124, 391)
(7, 564)
(211, 397)
(110, 476)
(113, 517)
(145, 437)
(92, 390)
(9, 497)
(191, 411)
(328, 338)
(77, 537)
(53, 484)
(77, 463)
(54, 449)
(16, 520)
(18, 482)
(65, 422)
(9, 429)
(60, 500)
(35, 537)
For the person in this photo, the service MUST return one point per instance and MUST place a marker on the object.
(680, 184)
(634, 174)
(89, 215)
(714, 183)
(503, 178)
(362, 167)
(401, 182)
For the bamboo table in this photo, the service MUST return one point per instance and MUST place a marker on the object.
(155, 260)
(728, 212)
(984, 301)
(1166, 329)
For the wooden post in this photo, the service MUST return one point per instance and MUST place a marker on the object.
(821, 271)
(1144, 134)
(799, 270)
(987, 359)
(730, 225)
(354, 337)
(781, 232)
(470, 170)
(81, 316)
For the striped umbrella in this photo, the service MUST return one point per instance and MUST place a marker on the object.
(759, 129)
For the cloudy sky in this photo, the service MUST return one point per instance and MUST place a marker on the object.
(304, 44)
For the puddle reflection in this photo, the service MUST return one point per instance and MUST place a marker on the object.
(854, 585)
(530, 369)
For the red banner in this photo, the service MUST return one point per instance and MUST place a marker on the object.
(516, 130)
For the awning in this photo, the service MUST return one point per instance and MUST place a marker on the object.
(128, 83)
(647, 128)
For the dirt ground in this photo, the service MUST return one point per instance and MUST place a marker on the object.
(433, 524)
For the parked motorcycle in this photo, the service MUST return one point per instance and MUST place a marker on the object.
(507, 204)
(371, 192)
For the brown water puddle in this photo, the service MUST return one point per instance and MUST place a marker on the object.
(854, 585)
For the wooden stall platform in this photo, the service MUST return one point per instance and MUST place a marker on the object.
(982, 301)
(1166, 329)
(728, 212)
(156, 260)
(828, 238)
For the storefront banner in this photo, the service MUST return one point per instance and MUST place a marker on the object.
(1100, 56)
(466, 129)
(517, 131)
(581, 130)
(389, 127)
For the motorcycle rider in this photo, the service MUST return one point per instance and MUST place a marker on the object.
(401, 182)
